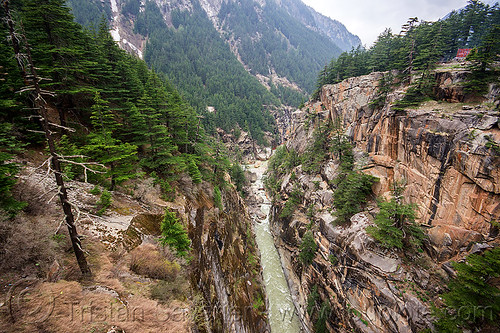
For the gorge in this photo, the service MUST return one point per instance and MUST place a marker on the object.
(165, 147)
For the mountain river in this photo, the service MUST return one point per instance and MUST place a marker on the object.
(282, 315)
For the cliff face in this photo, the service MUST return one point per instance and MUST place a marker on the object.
(440, 149)
(226, 265)
(448, 155)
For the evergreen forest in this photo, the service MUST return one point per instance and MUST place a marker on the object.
(109, 116)
(421, 45)
(202, 66)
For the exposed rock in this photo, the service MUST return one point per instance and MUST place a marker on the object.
(115, 329)
(251, 176)
(479, 247)
(443, 152)
(451, 175)
(330, 170)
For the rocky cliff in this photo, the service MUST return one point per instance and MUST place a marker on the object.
(447, 152)
(226, 263)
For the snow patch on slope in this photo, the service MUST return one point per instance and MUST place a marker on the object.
(114, 6)
(115, 33)
(133, 47)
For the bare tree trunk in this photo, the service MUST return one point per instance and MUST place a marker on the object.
(41, 106)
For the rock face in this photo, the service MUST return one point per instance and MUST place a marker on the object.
(445, 154)
(449, 156)
(223, 245)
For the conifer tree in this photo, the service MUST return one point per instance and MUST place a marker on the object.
(120, 157)
(33, 81)
(155, 134)
(308, 248)
(8, 169)
(174, 234)
(395, 225)
(193, 170)
(60, 52)
(474, 297)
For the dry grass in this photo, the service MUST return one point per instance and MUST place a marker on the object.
(27, 245)
(67, 307)
(148, 261)
(166, 291)
(94, 305)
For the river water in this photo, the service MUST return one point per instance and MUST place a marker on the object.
(282, 315)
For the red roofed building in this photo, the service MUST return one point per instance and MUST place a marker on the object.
(462, 53)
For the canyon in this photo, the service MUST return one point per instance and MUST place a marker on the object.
(440, 150)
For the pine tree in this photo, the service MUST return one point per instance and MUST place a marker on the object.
(60, 52)
(308, 248)
(104, 148)
(395, 225)
(482, 60)
(474, 297)
(8, 169)
(32, 80)
(193, 170)
(174, 234)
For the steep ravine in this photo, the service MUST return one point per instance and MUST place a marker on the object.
(443, 150)
(281, 310)
(225, 266)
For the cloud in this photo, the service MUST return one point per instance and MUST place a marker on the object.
(368, 18)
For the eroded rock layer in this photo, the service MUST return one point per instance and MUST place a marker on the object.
(447, 154)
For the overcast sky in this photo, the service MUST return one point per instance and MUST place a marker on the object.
(369, 18)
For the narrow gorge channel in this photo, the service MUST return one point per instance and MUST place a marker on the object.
(282, 315)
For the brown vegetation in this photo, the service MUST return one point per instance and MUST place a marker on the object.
(147, 260)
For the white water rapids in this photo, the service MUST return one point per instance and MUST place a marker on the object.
(282, 315)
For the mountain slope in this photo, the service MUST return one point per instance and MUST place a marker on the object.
(315, 21)
(197, 44)
(273, 44)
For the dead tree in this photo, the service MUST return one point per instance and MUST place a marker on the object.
(32, 84)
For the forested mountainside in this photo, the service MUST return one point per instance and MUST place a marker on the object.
(101, 158)
(421, 45)
(123, 207)
(208, 48)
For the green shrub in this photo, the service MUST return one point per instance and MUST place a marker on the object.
(174, 234)
(395, 223)
(417, 93)
(217, 197)
(283, 160)
(491, 144)
(104, 202)
(291, 204)
(312, 299)
(324, 313)
(308, 248)
(165, 291)
(96, 190)
(272, 185)
(353, 189)
(317, 152)
(341, 148)
(474, 296)
(9, 146)
(238, 176)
